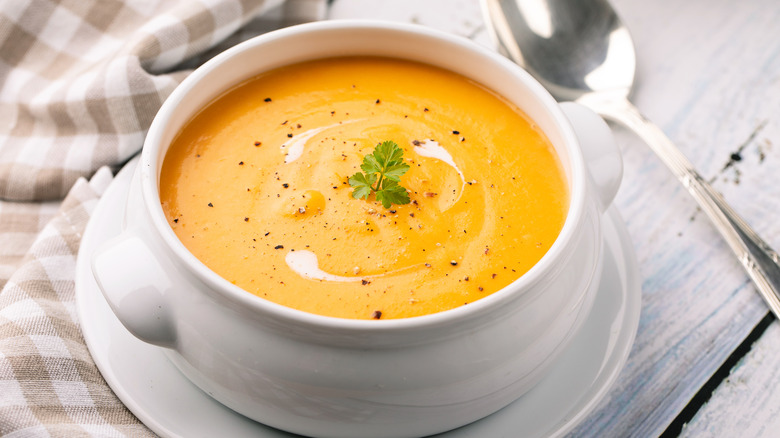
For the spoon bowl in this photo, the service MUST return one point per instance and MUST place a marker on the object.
(581, 51)
(572, 48)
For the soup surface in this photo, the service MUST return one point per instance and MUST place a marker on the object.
(256, 187)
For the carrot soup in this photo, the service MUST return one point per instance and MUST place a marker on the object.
(260, 186)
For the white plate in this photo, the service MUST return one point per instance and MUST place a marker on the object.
(154, 390)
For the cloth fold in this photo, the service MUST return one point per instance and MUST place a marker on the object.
(80, 82)
(49, 385)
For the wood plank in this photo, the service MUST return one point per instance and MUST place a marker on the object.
(746, 404)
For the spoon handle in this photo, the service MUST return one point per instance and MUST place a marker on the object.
(760, 261)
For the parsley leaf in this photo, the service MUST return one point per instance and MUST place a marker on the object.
(386, 161)
(392, 193)
(362, 185)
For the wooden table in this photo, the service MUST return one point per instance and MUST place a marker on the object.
(706, 361)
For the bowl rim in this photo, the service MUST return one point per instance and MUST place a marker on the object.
(220, 287)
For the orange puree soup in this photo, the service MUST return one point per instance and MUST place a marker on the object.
(256, 187)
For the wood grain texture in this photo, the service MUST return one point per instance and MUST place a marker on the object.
(746, 404)
(709, 76)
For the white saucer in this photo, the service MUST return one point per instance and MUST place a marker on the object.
(154, 390)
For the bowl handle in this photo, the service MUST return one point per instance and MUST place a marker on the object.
(135, 283)
(602, 155)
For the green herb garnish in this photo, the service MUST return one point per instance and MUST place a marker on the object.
(383, 170)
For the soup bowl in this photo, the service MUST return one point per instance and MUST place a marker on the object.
(325, 376)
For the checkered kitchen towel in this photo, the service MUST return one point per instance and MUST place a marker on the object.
(80, 81)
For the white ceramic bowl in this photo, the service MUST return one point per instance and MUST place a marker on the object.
(323, 376)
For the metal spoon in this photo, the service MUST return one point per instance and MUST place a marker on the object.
(580, 51)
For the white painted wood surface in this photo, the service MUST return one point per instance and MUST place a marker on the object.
(746, 404)
(709, 76)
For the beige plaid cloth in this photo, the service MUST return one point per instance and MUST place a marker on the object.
(80, 81)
